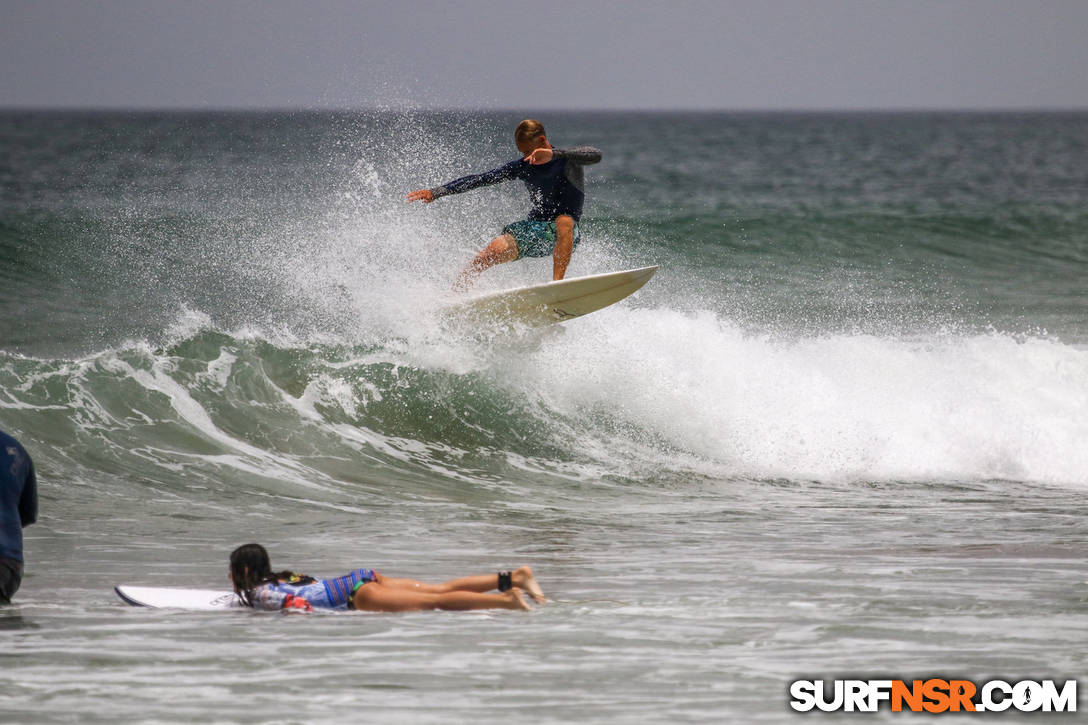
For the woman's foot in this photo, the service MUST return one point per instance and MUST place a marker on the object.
(523, 578)
(517, 599)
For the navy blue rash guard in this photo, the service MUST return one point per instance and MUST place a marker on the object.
(18, 497)
(555, 188)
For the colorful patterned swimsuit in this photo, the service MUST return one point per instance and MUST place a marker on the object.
(320, 593)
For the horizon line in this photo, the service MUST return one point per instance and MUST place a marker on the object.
(28, 108)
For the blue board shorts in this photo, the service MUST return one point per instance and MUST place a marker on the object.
(536, 238)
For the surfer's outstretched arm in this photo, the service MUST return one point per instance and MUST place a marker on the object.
(466, 183)
(424, 195)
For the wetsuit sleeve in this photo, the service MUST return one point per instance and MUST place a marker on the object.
(28, 501)
(507, 172)
(268, 598)
(584, 155)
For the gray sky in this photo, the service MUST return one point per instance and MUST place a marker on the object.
(577, 54)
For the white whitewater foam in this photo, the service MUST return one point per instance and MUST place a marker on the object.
(837, 407)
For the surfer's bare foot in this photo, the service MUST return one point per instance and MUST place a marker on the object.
(523, 578)
(517, 599)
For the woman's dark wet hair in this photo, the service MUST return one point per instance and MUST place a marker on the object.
(250, 567)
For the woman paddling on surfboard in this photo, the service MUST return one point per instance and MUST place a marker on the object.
(556, 186)
(365, 589)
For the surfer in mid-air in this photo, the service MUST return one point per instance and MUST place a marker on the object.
(556, 186)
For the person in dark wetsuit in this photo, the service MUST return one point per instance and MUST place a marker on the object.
(18, 508)
(556, 184)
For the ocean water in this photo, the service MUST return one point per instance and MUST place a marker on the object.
(841, 433)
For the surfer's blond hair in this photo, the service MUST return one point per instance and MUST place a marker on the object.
(527, 130)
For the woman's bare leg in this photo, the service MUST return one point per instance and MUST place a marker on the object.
(375, 597)
(475, 583)
(522, 577)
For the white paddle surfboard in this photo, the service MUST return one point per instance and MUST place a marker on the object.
(177, 598)
(551, 302)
